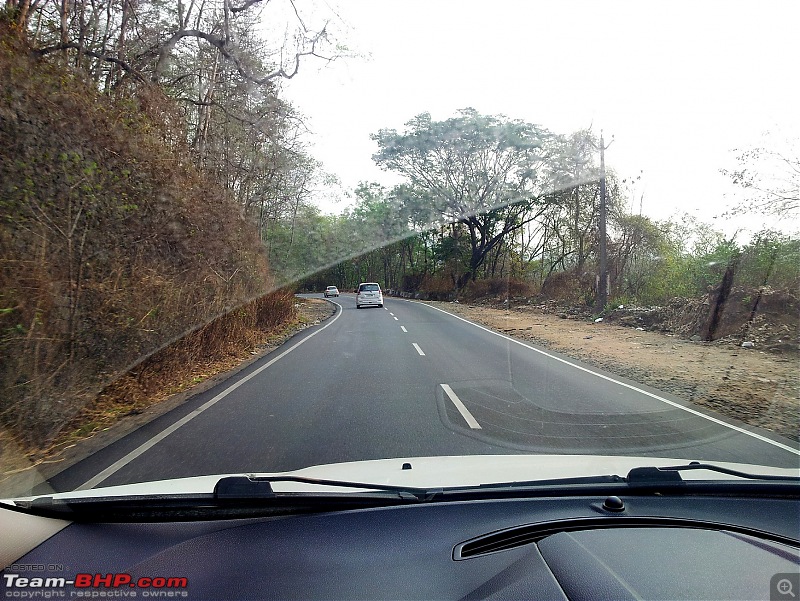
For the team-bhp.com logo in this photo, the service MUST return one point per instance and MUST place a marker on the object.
(96, 586)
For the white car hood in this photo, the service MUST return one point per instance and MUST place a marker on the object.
(435, 472)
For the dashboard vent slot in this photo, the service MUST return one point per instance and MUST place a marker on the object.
(498, 541)
(518, 536)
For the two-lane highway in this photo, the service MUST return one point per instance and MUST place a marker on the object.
(411, 380)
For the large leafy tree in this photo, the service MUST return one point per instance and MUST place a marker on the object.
(485, 172)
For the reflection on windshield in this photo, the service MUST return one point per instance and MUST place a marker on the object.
(173, 215)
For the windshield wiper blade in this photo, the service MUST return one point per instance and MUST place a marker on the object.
(233, 497)
(231, 489)
(647, 475)
(525, 484)
(243, 493)
(260, 487)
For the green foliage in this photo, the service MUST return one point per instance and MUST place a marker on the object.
(414, 238)
(771, 258)
(691, 258)
(484, 172)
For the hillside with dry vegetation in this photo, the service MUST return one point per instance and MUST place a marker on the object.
(112, 243)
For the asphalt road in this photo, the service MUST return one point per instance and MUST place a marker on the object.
(410, 380)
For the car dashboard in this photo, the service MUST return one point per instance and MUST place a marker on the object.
(578, 547)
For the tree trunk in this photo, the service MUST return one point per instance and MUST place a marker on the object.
(64, 11)
(23, 10)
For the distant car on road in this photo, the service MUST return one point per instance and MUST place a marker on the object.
(331, 291)
(369, 293)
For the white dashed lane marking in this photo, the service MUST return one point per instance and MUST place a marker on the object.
(700, 414)
(468, 417)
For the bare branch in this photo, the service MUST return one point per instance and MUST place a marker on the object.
(297, 14)
(254, 122)
(105, 57)
(245, 6)
(225, 51)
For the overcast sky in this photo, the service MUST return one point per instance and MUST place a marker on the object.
(678, 84)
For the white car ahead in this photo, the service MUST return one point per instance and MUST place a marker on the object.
(369, 293)
(331, 291)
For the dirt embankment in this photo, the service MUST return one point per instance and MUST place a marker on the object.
(767, 318)
(757, 387)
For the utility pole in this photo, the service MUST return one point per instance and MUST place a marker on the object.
(602, 284)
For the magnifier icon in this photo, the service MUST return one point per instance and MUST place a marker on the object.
(784, 587)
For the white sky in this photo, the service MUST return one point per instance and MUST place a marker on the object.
(678, 84)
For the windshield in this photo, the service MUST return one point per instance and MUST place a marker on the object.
(580, 220)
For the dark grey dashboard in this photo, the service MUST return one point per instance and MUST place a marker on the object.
(543, 548)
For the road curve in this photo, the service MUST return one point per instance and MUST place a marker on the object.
(410, 380)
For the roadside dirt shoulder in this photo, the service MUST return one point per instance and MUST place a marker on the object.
(752, 386)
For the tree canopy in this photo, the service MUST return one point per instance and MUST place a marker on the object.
(487, 173)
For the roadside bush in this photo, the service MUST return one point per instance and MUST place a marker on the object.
(439, 288)
(570, 287)
(498, 287)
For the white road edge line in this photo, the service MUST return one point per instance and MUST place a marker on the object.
(119, 464)
(468, 417)
(419, 350)
(623, 384)
(403, 328)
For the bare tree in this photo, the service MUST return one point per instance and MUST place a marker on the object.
(771, 177)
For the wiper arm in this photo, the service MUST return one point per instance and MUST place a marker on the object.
(232, 496)
(554, 482)
(260, 487)
(640, 480)
(646, 475)
(245, 495)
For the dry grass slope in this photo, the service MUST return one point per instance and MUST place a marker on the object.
(112, 246)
